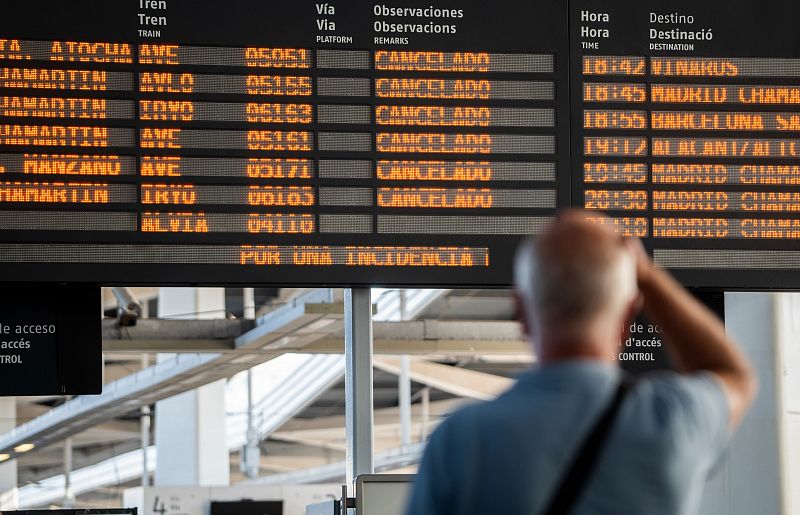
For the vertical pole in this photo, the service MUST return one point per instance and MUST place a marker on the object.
(426, 413)
(9, 494)
(789, 321)
(144, 425)
(402, 294)
(69, 494)
(358, 382)
(249, 303)
(404, 386)
(252, 454)
(251, 458)
(249, 398)
(405, 401)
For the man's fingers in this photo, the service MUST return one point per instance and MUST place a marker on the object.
(643, 261)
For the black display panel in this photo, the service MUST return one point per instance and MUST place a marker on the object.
(370, 143)
(50, 341)
(685, 127)
(644, 350)
(350, 143)
(246, 507)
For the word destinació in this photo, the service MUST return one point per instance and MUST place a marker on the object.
(703, 34)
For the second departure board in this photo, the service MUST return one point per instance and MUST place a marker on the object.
(686, 130)
(409, 143)
(175, 141)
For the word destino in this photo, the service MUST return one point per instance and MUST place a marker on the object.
(430, 12)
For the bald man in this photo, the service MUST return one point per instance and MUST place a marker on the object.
(578, 285)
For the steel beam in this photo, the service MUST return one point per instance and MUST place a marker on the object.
(325, 335)
(458, 381)
(388, 460)
(358, 383)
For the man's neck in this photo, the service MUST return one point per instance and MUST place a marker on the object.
(553, 351)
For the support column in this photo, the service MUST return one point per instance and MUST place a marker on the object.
(250, 462)
(404, 386)
(751, 477)
(190, 427)
(8, 469)
(359, 418)
(251, 453)
(790, 372)
(404, 396)
(144, 432)
(426, 413)
(69, 493)
(249, 303)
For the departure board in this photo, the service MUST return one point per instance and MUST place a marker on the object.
(350, 143)
(686, 129)
(374, 143)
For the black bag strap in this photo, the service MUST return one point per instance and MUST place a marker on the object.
(574, 480)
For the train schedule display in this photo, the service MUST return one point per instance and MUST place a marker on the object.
(685, 128)
(295, 143)
(368, 143)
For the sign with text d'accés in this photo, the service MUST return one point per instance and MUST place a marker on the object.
(50, 341)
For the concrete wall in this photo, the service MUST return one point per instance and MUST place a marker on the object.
(758, 474)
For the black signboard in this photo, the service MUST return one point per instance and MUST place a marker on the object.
(246, 507)
(686, 128)
(278, 142)
(50, 341)
(414, 143)
(644, 349)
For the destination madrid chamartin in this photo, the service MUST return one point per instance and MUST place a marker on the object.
(358, 143)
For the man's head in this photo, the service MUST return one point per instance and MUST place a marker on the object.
(576, 286)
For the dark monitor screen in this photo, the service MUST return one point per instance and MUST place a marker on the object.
(359, 143)
(246, 507)
(263, 142)
(685, 129)
(50, 341)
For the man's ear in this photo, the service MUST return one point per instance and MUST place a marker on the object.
(520, 313)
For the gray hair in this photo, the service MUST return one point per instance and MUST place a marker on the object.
(558, 287)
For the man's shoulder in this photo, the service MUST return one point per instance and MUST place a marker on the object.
(536, 389)
(482, 415)
(467, 422)
(671, 386)
(674, 407)
(465, 415)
